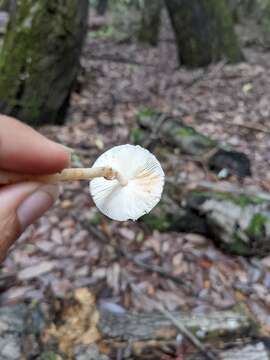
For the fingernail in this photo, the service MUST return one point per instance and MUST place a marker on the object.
(36, 204)
(70, 152)
(69, 149)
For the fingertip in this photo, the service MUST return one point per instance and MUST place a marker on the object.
(63, 155)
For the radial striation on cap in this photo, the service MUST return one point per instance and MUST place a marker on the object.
(145, 182)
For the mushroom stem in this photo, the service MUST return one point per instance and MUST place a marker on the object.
(72, 174)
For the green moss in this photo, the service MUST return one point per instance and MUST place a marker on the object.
(155, 222)
(241, 200)
(204, 32)
(137, 136)
(37, 57)
(146, 112)
(104, 32)
(96, 219)
(185, 131)
(50, 355)
(150, 22)
(238, 247)
(257, 225)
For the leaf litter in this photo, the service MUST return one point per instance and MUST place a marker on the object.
(62, 252)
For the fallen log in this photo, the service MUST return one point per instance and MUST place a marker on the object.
(155, 326)
(89, 333)
(156, 129)
(238, 223)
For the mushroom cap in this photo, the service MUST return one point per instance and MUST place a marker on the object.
(144, 188)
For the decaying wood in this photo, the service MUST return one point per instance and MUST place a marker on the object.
(156, 326)
(156, 129)
(146, 331)
(238, 222)
(249, 352)
(23, 325)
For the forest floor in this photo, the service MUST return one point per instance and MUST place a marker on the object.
(74, 246)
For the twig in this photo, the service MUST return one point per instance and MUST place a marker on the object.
(182, 329)
(252, 127)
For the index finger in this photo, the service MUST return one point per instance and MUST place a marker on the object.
(24, 150)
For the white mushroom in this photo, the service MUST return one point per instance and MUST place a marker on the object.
(138, 187)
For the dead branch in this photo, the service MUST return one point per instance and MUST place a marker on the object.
(177, 323)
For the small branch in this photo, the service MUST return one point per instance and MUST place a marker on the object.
(182, 329)
(252, 127)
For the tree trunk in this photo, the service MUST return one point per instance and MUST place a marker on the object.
(40, 59)
(204, 32)
(102, 7)
(150, 22)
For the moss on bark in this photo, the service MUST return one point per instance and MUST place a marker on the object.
(40, 57)
(204, 32)
(150, 22)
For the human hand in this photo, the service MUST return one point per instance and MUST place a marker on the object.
(23, 150)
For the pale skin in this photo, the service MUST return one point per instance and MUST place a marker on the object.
(25, 151)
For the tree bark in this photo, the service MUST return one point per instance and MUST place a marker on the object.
(40, 58)
(102, 7)
(150, 22)
(154, 326)
(204, 32)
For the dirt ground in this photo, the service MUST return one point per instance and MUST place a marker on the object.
(74, 246)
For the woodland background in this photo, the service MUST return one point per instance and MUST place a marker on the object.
(190, 80)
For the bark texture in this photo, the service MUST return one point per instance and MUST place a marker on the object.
(40, 58)
(150, 22)
(22, 330)
(204, 32)
(102, 7)
(152, 326)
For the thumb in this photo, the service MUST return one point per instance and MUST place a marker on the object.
(20, 206)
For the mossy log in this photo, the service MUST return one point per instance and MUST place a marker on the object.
(204, 32)
(40, 58)
(156, 129)
(240, 224)
(150, 22)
